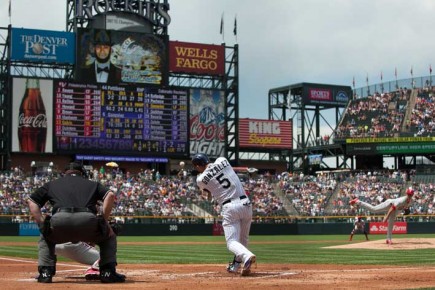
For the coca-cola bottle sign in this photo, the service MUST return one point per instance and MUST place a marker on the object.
(39, 121)
(32, 119)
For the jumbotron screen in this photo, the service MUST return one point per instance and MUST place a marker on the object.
(120, 119)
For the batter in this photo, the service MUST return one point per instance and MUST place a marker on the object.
(221, 183)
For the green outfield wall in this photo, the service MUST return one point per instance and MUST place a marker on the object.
(169, 229)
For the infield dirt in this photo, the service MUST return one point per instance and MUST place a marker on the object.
(18, 273)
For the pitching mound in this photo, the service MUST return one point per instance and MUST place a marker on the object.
(398, 244)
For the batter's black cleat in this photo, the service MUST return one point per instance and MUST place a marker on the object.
(46, 274)
(110, 276)
(45, 277)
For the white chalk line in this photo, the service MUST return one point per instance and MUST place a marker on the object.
(256, 275)
(60, 264)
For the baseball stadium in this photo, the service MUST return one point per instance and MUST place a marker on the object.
(340, 180)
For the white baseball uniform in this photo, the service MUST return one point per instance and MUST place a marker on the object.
(220, 180)
(80, 252)
(399, 203)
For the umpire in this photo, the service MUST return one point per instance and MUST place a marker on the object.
(74, 218)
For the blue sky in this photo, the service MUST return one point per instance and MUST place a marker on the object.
(283, 42)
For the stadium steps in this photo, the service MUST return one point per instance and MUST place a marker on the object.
(200, 212)
(286, 203)
(330, 205)
(408, 113)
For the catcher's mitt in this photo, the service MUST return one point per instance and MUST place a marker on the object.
(116, 228)
(406, 211)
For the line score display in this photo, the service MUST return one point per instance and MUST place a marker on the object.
(130, 119)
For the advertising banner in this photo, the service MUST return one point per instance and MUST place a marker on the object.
(207, 122)
(255, 133)
(121, 158)
(28, 229)
(391, 148)
(113, 57)
(389, 140)
(32, 115)
(381, 228)
(196, 58)
(44, 46)
(316, 94)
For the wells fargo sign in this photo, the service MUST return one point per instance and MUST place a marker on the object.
(254, 133)
(196, 58)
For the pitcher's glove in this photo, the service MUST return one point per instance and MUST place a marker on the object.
(406, 211)
(116, 228)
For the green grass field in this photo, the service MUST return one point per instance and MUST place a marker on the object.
(269, 249)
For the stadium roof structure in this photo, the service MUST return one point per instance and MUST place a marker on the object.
(307, 105)
(326, 95)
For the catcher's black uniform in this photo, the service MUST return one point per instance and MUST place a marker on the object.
(74, 218)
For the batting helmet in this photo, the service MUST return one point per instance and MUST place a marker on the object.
(410, 191)
(200, 159)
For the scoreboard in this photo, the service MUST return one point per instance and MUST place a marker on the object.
(120, 119)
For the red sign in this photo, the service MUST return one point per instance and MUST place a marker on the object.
(265, 134)
(217, 229)
(320, 94)
(381, 228)
(185, 57)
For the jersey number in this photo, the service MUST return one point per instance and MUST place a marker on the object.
(223, 181)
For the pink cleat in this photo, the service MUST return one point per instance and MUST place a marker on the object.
(353, 201)
(92, 274)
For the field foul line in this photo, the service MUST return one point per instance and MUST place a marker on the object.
(371, 269)
(82, 267)
(272, 274)
(263, 274)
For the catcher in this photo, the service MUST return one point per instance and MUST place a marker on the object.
(358, 228)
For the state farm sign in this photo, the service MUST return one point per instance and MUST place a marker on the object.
(381, 228)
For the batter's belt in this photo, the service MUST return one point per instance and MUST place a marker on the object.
(74, 209)
(229, 200)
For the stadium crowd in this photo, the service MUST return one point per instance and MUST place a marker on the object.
(378, 115)
(422, 122)
(167, 198)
